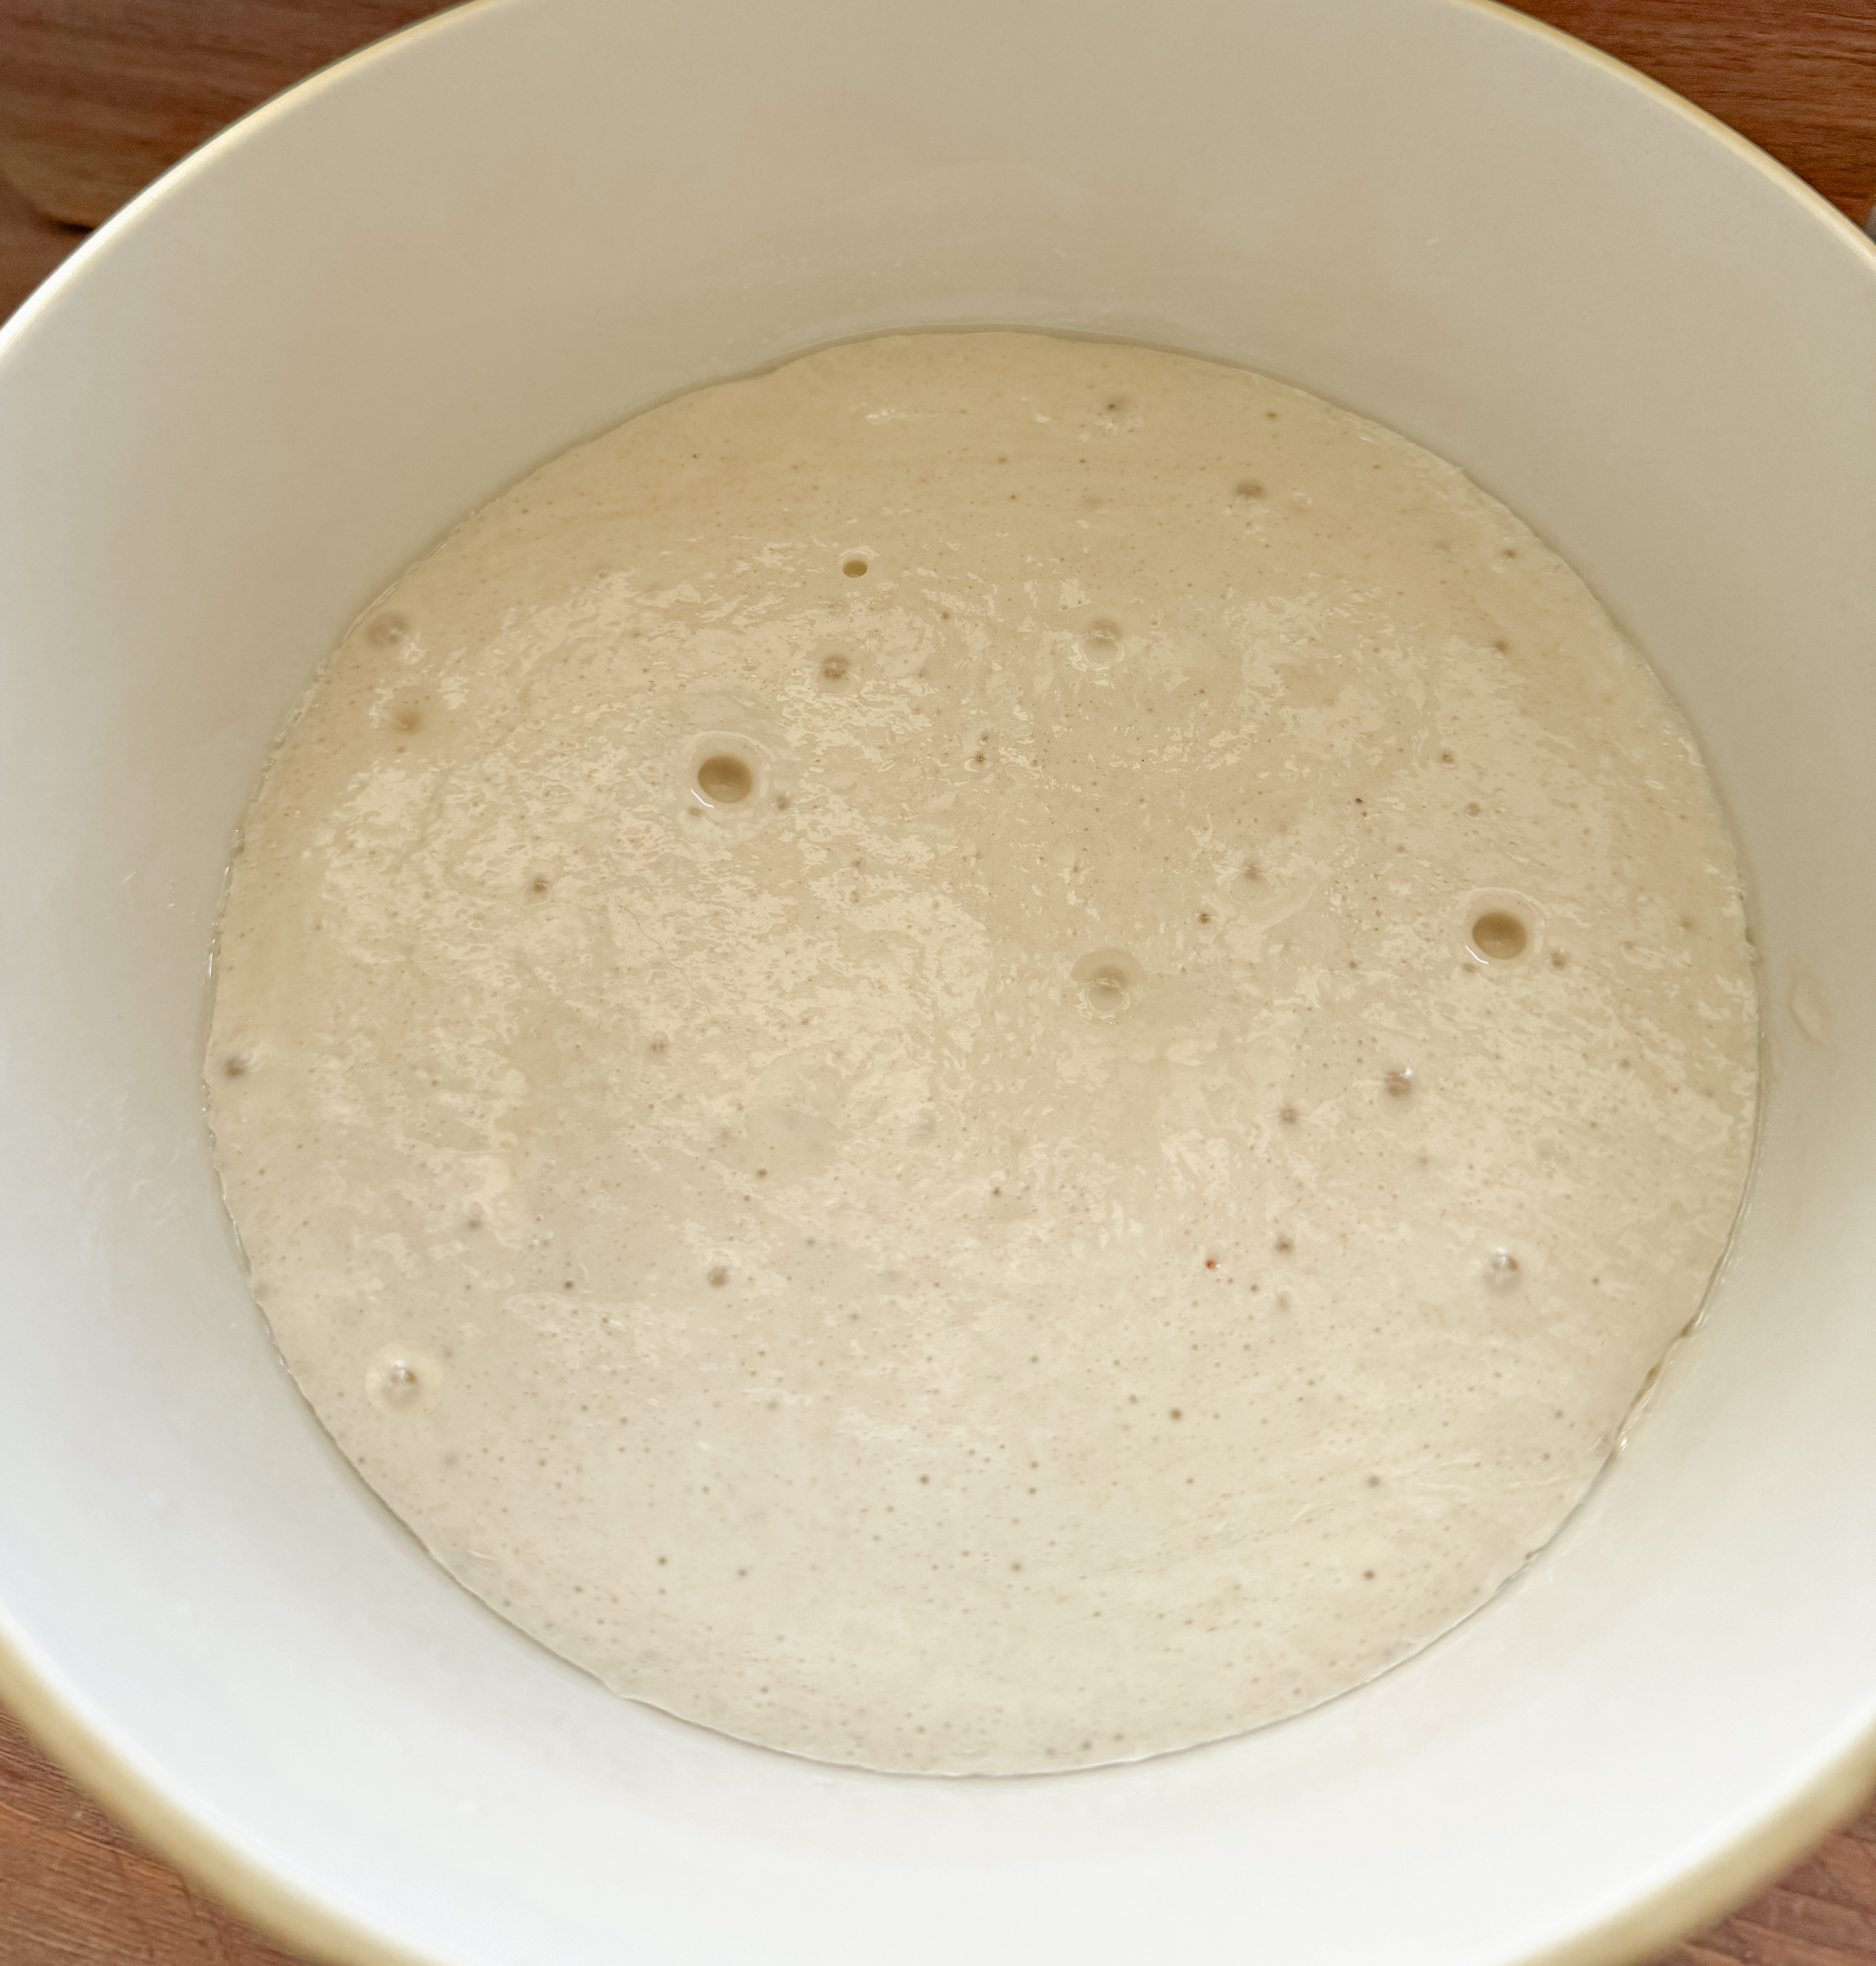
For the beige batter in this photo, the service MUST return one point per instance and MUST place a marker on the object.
(989, 1054)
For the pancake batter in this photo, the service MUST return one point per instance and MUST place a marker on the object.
(989, 1054)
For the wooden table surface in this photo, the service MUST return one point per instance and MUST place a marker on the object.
(96, 96)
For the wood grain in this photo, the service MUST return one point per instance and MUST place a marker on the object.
(97, 96)
(75, 1890)
(30, 246)
(1796, 77)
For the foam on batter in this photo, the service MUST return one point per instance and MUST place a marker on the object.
(991, 1053)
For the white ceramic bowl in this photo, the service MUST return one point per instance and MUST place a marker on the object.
(261, 392)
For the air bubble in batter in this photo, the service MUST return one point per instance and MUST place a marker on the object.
(725, 773)
(725, 779)
(1101, 643)
(1503, 929)
(404, 1379)
(1107, 984)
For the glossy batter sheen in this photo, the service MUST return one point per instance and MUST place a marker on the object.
(989, 1054)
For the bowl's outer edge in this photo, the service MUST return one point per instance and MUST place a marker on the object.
(1707, 1890)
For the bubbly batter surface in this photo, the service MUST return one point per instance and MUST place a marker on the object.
(989, 1054)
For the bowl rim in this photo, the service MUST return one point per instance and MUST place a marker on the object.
(80, 1746)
